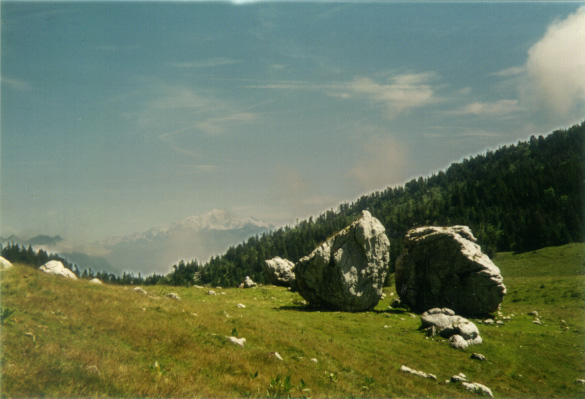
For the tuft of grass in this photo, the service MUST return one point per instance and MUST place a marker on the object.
(111, 341)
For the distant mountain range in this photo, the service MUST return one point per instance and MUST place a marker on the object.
(156, 250)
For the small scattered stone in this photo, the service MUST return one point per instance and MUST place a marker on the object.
(276, 355)
(478, 356)
(93, 370)
(580, 381)
(241, 305)
(489, 322)
(95, 281)
(499, 322)
(237, 341)
(422, 374)
(314, 360)
(459, 378)
(173, 295)
(211, 292)
(536, 321)
(479, 388)
(140, 290)
(533, 313)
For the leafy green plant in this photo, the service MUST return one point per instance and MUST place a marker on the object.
(369, 381)
(253, 375)
(279, 387)
(5, 314)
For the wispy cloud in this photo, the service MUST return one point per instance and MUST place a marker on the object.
(17, 84)
(513, 71)
(178, 115)
(398, 94)
(207, 63)
(494, 108)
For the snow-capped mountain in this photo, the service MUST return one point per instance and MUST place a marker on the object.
(196, 237)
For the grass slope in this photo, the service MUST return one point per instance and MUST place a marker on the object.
(72, 339)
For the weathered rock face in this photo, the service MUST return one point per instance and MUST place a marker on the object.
(5, 264)
(347, 271)
(444, 267)
(55, 267)
(460, 331)
(280, 271)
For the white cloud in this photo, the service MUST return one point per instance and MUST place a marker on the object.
(210, 62)
(494, 108)
(556, 66)
(398, 94)
(513, 71)
(383, 164)
(402, 93)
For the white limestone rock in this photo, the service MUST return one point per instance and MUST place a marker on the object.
(460, 331)
(248, 283)
(280, 271)
(478, 388)
(140, 290)
(237, 341)
(444, 267)
(347, 271)
(56, 268)
(95, 281)
(422, 374)
(173, 295)
(5, 264)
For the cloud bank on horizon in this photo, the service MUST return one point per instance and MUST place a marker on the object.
(120, 117)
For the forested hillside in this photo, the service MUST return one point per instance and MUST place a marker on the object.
(518, 198)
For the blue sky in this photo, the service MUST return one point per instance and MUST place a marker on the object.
(117, 117)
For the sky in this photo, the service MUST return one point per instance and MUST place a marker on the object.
(118, 117)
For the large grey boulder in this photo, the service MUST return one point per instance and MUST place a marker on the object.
(56, 268)
(347, 271)
(280, 271)
(444, 267)
(5, 264)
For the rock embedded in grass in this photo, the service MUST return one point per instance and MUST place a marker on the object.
(5, 264)
(95, 281)
(347, 271)
(460, 331)
(56, 268)
(248, 283)
(237, 341)
(478, 356)
(422, 374)
(478, 388)
(173, 295)
(444, 267)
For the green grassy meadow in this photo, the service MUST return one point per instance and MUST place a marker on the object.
(73, 339)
